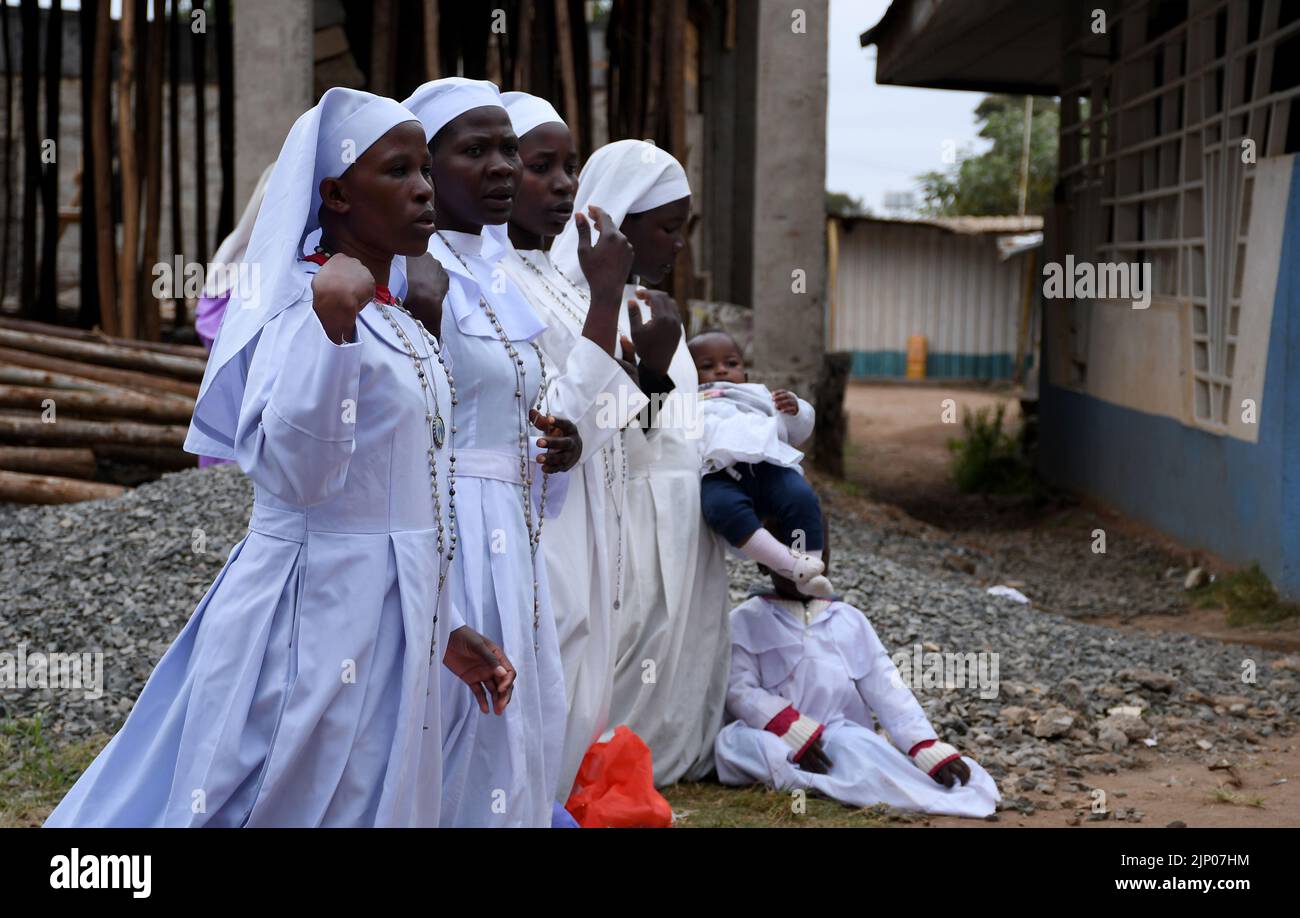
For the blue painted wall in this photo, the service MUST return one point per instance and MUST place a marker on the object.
(1239, 500)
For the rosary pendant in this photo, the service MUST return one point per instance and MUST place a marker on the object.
(439, 431)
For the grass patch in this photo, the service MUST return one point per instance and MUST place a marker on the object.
(35, 773)
(988, 460)
(1247, 597)
(705, 805)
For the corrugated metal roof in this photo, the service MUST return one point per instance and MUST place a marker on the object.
(965, 226)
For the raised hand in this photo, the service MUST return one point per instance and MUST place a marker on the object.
(562, 442)
(427, 284)
(605, 265)
(341, 289)
(656, 339)
(481, 665)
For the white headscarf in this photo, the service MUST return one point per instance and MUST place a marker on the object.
(621, 178)
(440, 102)
(526, 112)
(232, 249)
(323, 143)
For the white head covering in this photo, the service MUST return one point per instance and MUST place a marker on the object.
(621, 178)
(528, 111)
(232, 249)
(440, 102)
(323, 143)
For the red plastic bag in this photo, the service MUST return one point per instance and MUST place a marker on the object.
(615, 788)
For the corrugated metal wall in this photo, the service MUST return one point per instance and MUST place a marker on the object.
(899, 279)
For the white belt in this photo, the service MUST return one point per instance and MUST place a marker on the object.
(488, 463)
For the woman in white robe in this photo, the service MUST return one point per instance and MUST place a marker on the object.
(584, 541)
(304, 689)
(671, 649)
(821, 662)
(499, 771)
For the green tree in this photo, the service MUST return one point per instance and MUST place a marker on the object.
(840, 204)
(988, 184)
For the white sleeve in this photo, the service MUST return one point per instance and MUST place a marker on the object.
(297, 422)
(884, 692)
(595, 393)
(747, 700)
(797, 428)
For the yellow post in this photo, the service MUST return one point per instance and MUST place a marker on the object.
(916, 350)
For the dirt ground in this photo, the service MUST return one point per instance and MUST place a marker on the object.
(898, 457)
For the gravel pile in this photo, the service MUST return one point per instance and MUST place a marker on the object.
(119, 577)
(123, 576)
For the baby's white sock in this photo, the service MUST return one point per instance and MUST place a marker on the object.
(764, 548)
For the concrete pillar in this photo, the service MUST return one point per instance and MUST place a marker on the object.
(273, 82)
(789, 224)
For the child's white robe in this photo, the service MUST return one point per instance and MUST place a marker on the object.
(835, 670)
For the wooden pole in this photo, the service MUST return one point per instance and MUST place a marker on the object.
(81, 334)
(225, 116)
(128, 294)
(675, 82)
(432, 64)
(174, 150)
(156, 36)
(32, 430)
(47, 300)
(31, 25)
(133, 406)
(73, 462)
(22, 488)
(199, 77)
(1024, 152)
(88, 315)
(111, 355)
(568, 75)
(523, 80)
(382, 38)
(101, 164)
(8, 152)
(128, 379)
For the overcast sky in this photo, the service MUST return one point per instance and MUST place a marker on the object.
(879, 138)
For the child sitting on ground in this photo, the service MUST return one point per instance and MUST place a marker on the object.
(751, 466)
(807, 674)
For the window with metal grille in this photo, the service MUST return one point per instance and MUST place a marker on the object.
(1163, 118)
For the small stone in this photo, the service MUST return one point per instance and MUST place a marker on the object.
(1176, 824)
(1056, 722)
(1157, 682)
(1112, 739)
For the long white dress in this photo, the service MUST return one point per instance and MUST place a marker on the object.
(824, 658)
(498, 770)
(583, 544)
(672, 651)
(302, 691)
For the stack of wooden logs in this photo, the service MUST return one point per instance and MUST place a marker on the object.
(74, 402)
